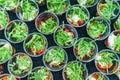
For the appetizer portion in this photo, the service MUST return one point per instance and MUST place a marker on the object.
(77, 16)
(113, 41)
(27, 10)
(35, 44)
(40, 73)
(65, 36)
(16, 31)
(20, 65)
(58, 6)
(4, 19)
(5, 51)
(117, 24)
(75, 71)
(9, 4)
(108, 9)
(97, 76)
(98, 28)
(85, 49)
(87, 3)
(55, 58)
(47, 23)
(107, 62)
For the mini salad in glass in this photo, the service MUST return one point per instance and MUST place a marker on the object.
(4, 19)
(35, 44)
(16, 31)
(113, 41)
(117, 24)
(55, 58)
(87, 3)
(107, 62)
(47, 23)
(20, 65)
(75, 71)
(85, 49)
(7, 77)
(108, 9)
(97, 76)
(5, 51)
(65, 36)
(27, 10)
(9, 4)
(58, 6)
(77, 16)
(98, 28)
(40, 73)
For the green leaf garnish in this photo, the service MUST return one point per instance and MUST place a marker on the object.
(75, 71)
(117, 23)
(117, 43)
(40, 74)
(18, 33)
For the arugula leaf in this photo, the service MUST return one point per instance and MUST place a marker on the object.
(49, 26)
(8, 4)
(55, 54)
(18, 32)
(79, 12)
(117, 43)
(5, 52)
(118, 23)
(4, 19)
(37, 42)
(97, 28)
(108, 9)
(75, 71)
(41, 74)
(84, 48)
(29, 9)
(21, 66)
(58, 6)
(63, 38)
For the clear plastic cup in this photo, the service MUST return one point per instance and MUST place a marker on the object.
(5, 51)
(70, 34)
(35, 44)
(77, 67)
(27, 10)
(96, 76)
(98, 33)
(4, 19)
(116, 11)
(42, 71)
(66, 7)
(107, 62)
(47, 20)
(55, 58)
(20, 65)
(16, 31)
(74, 18)
(84, 3)
(113, 40)
(89, 51)
(9, 5)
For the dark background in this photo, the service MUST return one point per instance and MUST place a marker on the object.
(81, 33)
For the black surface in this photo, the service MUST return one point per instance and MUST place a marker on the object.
(81, 33)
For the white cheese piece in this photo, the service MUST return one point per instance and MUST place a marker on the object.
(75, 18)
(111, 40)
